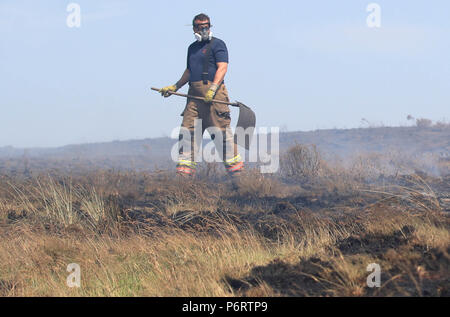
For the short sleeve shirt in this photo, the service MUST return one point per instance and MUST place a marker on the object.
(196, 55)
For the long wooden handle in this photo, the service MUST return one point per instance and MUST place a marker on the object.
(199, 98)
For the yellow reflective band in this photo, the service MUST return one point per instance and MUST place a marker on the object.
(187, 163)
(233, 160)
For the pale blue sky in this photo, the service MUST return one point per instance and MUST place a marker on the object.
(301, 65)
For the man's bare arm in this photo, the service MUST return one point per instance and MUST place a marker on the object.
(184, 79)
(220, 73)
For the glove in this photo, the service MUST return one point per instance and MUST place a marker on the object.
(209, 96)
(165, 91)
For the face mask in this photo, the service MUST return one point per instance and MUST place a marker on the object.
(204, 35)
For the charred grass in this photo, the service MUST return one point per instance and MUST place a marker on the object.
(310, 231)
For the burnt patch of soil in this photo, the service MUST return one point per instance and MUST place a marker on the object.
(375, 244)
(417, 271)
(302, 279)
(406, 271)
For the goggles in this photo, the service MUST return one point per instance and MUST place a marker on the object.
(200, 26)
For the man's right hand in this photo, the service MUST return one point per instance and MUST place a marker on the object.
(165, 91)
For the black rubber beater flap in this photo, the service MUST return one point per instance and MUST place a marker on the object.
(246, 124)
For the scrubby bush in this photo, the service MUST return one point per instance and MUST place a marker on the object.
(301, 162)
(424, 123)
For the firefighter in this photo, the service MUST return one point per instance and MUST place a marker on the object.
(207, 63)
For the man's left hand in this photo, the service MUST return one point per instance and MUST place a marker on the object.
(209, 96)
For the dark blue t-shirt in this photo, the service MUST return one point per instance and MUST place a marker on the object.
(196, 55)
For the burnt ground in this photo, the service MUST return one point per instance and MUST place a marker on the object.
(409, 267)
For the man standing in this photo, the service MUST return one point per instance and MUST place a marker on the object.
(207, 63)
